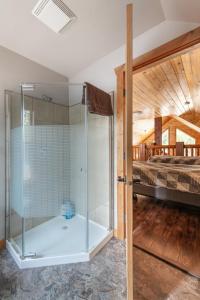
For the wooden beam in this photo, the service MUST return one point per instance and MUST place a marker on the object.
(181, 44)
(179, 149)
(148, 135)
(143, 152)
(187, 123)
(120, 231)
(128, 145)
(158, 130)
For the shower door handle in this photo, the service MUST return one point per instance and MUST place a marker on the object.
(124, 180)
(121, 179)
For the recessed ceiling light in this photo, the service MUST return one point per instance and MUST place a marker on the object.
(187, 102)
(137, 112)
(53, 13)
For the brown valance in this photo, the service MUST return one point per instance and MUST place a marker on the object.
(98, 101)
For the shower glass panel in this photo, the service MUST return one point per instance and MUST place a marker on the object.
(99, 176)
(59, 176)
(14, 171)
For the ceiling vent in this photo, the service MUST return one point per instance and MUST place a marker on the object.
(26, 87)
(53, 13)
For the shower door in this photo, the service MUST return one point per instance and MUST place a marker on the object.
(48, 178)
(55, 202)
(100, 178)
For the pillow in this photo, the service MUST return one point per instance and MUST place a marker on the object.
(161, 159)
(195, 160)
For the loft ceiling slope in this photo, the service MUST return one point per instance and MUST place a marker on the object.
(98, 30)
(181, 10)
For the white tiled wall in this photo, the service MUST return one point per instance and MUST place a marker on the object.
(46, 170)
(55, 167)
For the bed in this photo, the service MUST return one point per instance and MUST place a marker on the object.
(173, 178)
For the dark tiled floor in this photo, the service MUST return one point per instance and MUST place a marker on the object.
(103, 278)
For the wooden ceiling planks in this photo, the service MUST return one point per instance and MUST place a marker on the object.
(168, 87)
(157, 83)
(182, 79)
(142, 96)
(195, 66)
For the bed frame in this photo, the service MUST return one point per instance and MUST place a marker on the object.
(166, 194)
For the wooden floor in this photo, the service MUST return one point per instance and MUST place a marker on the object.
(169, 231)
(156, 280)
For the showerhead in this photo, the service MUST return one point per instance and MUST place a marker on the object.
(47, 98)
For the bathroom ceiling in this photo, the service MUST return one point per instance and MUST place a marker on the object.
(98, 30)
(181, 10)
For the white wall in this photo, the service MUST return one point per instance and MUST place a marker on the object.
(15, 69)
(102, 74)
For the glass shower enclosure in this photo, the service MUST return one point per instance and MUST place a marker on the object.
(59, 175)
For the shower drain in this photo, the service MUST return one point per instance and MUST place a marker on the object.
(64, 227)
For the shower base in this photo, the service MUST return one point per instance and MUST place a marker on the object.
(59, 241)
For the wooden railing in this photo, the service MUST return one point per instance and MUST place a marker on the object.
(162, 150)
(191, 150)
(144, 152)
(136, 152)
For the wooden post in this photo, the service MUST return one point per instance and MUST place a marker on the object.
(158, 130)
(128, 146)
(120, 233)
(143, 152)
(179, 149)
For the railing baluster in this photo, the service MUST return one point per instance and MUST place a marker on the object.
(188, 150)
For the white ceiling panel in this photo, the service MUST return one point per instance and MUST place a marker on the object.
(182, 10)
(98, 30)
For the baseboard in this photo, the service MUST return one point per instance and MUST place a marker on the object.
(118, 236)
(2, 244)
(115, 233)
